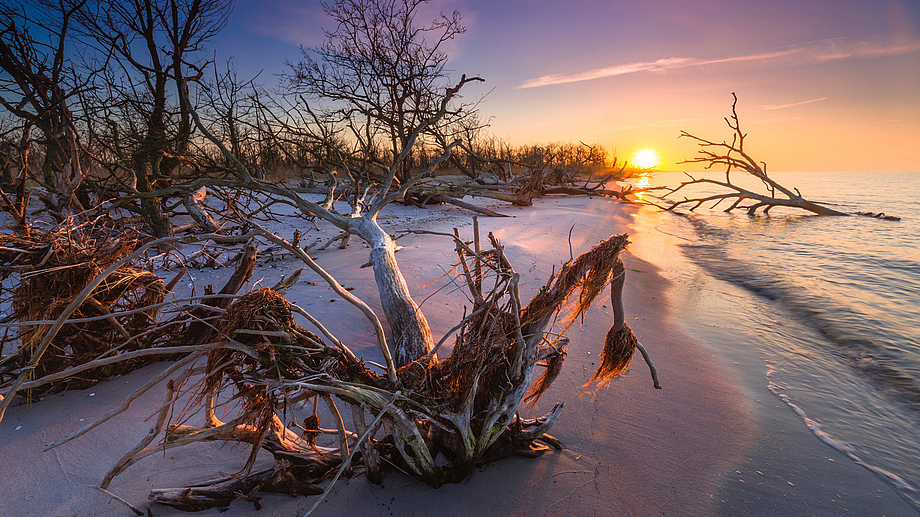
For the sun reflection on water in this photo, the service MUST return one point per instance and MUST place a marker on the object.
(644, 181)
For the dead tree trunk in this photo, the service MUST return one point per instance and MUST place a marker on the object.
(410, 330)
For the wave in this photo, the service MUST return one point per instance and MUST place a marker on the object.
(907, 491)
(881, 354)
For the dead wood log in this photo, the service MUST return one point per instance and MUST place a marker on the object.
(281, 478)
(506, 193)
(194, 203)
(76, 300)
(623, 194)
(880, 215)
(443, 198)
(201, 330)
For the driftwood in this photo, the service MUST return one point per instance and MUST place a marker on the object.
(41, 352)
(194, 203)
(734, 158)
(464, 407)
(53, 268)
(248, 354)
(443, 198)
(519, 190)
(880, 215)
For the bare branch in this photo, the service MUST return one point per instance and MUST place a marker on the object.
(734, 158)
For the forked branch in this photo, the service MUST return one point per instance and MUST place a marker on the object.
(734, 158)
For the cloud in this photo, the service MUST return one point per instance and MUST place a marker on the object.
(777, 120)
(781, 106)
(815, 52)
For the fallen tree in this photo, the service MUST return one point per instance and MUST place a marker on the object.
(734, 158)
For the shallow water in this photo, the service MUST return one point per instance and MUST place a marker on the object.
(838, 299)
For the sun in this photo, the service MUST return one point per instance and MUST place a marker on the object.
(645, 159)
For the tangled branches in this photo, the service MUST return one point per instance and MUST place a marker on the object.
(263, 369)
(256, 377)
(53, 267)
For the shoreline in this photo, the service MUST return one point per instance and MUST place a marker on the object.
(629, 449)
(787, 468)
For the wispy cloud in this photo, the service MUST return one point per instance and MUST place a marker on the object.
(790, 105)
(817, 52)
(777, 120)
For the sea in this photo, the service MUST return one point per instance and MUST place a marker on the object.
(831, 305)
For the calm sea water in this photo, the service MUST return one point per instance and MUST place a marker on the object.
(839, 301)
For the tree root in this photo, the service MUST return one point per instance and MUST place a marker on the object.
(281, 478)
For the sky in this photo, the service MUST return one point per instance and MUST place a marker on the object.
(822, 85)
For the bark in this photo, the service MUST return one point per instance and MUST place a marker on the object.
(411, 335)
(151, 207)
(194, 203)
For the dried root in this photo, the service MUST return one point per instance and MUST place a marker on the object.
(619, 348)
(53, 268)
(262, 367)
(553, 367)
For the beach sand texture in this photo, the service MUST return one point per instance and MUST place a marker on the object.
(712, 442)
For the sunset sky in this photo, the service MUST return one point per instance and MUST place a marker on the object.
(823, 85)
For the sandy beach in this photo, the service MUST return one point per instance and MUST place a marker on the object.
(714, 441)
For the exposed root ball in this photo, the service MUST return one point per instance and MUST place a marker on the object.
(53, 267)
(413, 374)
(619, 348)
(258, 309)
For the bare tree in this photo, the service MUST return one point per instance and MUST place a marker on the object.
(150, 45)
(382, 73)
(379, 73)
(409, 327)
(36, 88)
(734, 158)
